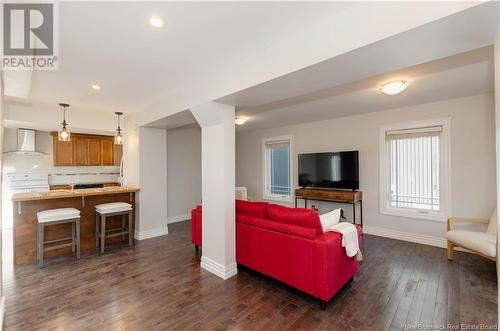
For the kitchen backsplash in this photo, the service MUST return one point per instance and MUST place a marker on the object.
(43, 164)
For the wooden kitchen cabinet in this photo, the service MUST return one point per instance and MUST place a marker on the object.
(63, 152)
(94, 151)
(86, 150)
(81, 151)
(107, 152)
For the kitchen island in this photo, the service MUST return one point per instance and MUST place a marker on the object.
(26, 206)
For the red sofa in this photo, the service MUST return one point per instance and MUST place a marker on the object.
(196, 227)
(288, 244)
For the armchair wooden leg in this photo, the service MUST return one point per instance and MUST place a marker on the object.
(450, 251)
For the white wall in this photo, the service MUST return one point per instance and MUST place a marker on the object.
(183, 172)
(130, 152)
(152, 199)
(46, 117)
(2, 298)
(473, 157)
(497, 118)
(145, 164)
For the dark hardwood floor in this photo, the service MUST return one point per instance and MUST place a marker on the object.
(158, 285)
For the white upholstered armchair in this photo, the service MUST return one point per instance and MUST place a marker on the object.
(480, 243)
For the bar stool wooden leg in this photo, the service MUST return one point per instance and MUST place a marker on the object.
(77, 225)
(130, 235)
(37, 242)
(97, 230)
(73, 237)
(103, 232)
(123, 227)
(40, 244)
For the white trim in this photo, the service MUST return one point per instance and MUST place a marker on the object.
(445, 173)
(151, 233)
(2, 312)
(405, 236)
(178, 218)
(224, 272)
(265, 141)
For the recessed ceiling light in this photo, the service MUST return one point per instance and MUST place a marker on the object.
(96, 87)
(240, 120)
(394, 87)
(156, 22)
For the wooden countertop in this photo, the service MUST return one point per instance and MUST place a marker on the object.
(58, 194)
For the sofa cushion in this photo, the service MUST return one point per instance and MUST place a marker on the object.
(307, 218)
(481, 242)
(256, 209)
(293, 230)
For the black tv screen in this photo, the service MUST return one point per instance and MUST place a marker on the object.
(339, 170)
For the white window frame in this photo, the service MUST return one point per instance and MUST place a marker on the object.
(445, 171)
(265, 176)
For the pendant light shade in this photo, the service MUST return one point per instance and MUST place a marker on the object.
(118, 136)
(64, 134)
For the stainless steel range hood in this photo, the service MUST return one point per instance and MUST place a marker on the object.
(26, 142)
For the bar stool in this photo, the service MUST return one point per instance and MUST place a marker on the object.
(112, 209)
(53, 217)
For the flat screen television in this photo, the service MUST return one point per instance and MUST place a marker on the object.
(337, 170)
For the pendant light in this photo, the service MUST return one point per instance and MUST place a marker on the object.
(118, 137)
(64, 134)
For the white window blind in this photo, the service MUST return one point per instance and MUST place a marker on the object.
(414, 168)
(277, 169)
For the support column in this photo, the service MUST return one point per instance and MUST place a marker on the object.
(218, 185)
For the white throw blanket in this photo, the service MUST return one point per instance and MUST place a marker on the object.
(349, 239)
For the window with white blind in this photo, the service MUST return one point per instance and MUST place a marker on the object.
(277, 168)
(415, 169)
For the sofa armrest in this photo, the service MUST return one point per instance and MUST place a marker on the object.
(332, 268)
(196, 226)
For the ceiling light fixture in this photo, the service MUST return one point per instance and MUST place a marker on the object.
(394, 87)
(64, 134)
(156, 22)
(96, 87)
(118, 136)
(240, 120)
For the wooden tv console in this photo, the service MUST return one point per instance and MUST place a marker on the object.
(340, 196)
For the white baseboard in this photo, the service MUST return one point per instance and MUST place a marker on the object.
(411, 237)
(178, 218)
(151, 233)
(2, 312)
(224, 272)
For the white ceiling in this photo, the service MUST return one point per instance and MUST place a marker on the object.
(210, 49)
(456, 76)
(184, 120)
(112, 44)
(464, 31)
(452, 77)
